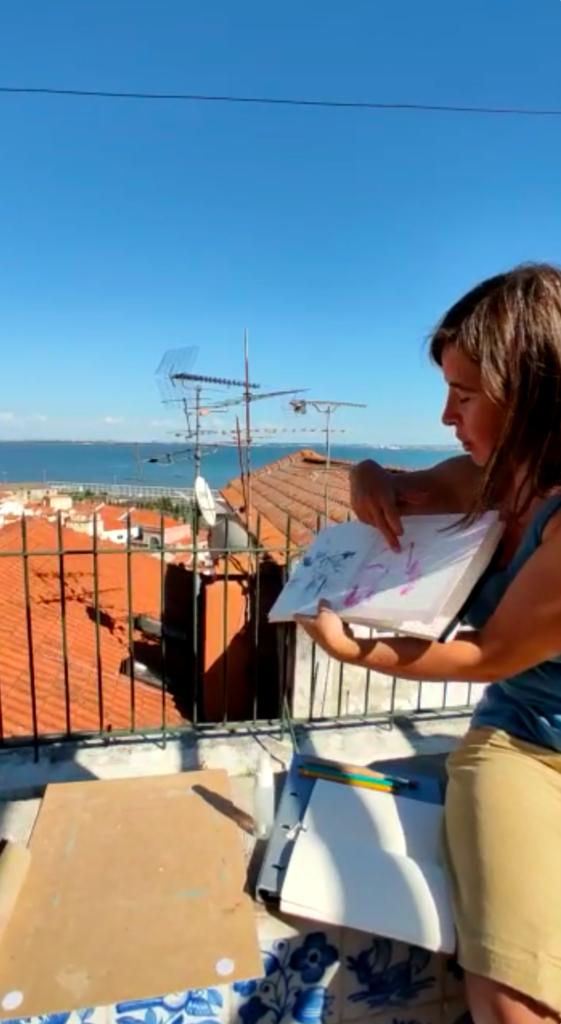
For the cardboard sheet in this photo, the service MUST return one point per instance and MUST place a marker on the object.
(135, 890)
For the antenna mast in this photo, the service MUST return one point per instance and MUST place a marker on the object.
(247, 399)
(198, 395)
(325, 408)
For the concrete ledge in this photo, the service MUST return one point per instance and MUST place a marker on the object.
(23, 777)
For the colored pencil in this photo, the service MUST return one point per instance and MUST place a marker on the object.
(333, 770)
(335, 773)
(350, 780)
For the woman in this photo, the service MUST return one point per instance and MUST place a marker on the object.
(499, 349)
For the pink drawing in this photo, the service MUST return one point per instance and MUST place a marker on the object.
(363, 591)
(412, 570)
(353, 597)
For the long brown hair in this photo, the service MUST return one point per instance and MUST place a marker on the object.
(510, 326)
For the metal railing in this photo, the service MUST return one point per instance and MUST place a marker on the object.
(102, 640)
(119, 491)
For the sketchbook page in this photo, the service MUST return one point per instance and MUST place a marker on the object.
(446, 624)
(327, 571)
(371, 860)
(400, 899)
(416, 584)
(481, 561)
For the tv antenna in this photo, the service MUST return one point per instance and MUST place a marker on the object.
(199, 395)
(326, 408)
(247, 399)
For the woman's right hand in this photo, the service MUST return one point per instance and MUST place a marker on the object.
(376, 499)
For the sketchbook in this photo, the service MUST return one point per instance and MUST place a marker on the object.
(371, 861)
(419, 591)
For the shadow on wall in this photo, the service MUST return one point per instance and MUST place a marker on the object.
(214, 646)
(241, 678)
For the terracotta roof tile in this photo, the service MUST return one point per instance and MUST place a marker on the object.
(47, 646)
(114, 517)
(289, 496)
(86, 508)
(150, 519)
(37, 507)
(288, 499)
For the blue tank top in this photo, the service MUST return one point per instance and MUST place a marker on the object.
(528, 705)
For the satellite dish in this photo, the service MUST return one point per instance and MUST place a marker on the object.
(228, 536)
(205, 501)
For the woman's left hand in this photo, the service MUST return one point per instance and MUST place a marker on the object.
(329, 631)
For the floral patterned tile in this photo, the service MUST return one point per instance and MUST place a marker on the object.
(300, 983)
(379, 974)
(208, 1005)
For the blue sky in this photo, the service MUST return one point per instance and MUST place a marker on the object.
(337, 237)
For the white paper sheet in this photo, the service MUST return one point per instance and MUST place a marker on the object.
(371, 860)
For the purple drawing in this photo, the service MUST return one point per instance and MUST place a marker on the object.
(412, 570)
(363, 590)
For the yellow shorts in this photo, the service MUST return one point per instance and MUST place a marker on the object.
(503, 851)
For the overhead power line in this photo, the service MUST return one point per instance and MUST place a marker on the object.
(441, 108)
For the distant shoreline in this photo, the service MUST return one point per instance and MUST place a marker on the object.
(298, 445)
(172, 465)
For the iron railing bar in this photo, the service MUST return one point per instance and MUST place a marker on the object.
(130, 626)
(392, 701)
(2, 736)
(99, 672)
(368, 678)
(290, 724)
(285, 636)
(255, 599)
(314, 665)
(29, 632)
(225, 644)
(313, 680)
(195, 616)
(163, 638)
(340, 688)
(64, 635)
(420, 695)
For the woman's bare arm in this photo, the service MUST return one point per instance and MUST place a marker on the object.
(380, 496)
(448, 486)
(523, 631)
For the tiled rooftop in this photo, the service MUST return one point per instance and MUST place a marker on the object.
(151, 519)
(289, 495)
(114, 517)
(86, 508)
(79, 593)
